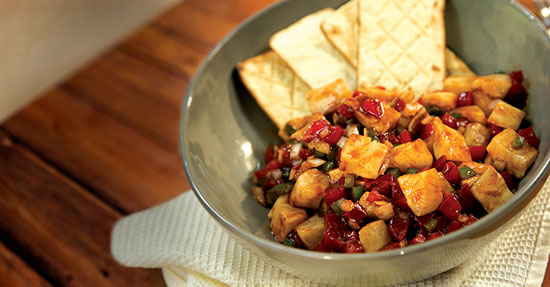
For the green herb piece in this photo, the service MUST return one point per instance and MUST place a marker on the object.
(286, 172)
(349, 181)
(431, 224)
(273, 193)
(332, 154)
(466, 172)
(271, 196)
(357, 192)
(319, 154)
(323, 208)
(456, 115)
(283, 188)
(399, 130)
(289, 242)
(327, 166)
(394, 171)
(433, 110)
(261, 181)
(372, 134)
(336, 206)
(518, 142)
(411, 170)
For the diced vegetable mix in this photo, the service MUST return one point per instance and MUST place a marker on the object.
(381, 171)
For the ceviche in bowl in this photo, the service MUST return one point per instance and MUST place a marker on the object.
(382, 170)
(352, 143)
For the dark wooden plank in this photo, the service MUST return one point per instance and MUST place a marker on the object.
(198, 27)
(123, 167)
(140, 95)
(160, 47)
(235, 10)
(15, 272)
(60, 227)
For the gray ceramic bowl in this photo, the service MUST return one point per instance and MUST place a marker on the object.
(224, 134)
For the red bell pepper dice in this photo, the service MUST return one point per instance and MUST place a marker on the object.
(517, 75)
(439, 164)
(450, 171)
(450, 121)
(465, 99)
(529, 135)
(390, 246)
(465, 197)
(335, 133)
(509, 180)
(427, 131)
(305, 153)
(353, 247)
(450, 207)
(399, 198)
(493, 129)
(345, 111)
(373, 107)
(399, 105)
(398, 228)
(336, 223)
(273, 164)
(260, 174)
(478, 152)
(357, 213)
(417, 239)
(332, 194)
(382, 184)
(313, 130)
(404, 137)
(331, 242)
(453, 226)
(434, 235)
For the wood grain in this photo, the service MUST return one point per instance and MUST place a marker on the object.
(197, 27)
(158, 47)
(120, 165)
(59, 225)
(142, 96)
(15, 272)
(235, 10)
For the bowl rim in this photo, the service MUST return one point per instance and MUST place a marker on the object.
(525, 193)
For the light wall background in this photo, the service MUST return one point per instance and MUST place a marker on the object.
(43, 41)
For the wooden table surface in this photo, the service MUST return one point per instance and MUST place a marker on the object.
(101, 145)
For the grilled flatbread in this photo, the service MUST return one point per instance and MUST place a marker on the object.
(341, 30)
(310, 55)
(401, 44)
(455, 65)
(275, 87)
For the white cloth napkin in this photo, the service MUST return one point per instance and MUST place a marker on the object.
(194, 250)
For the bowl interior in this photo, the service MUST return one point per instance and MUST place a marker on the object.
(224, 132)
